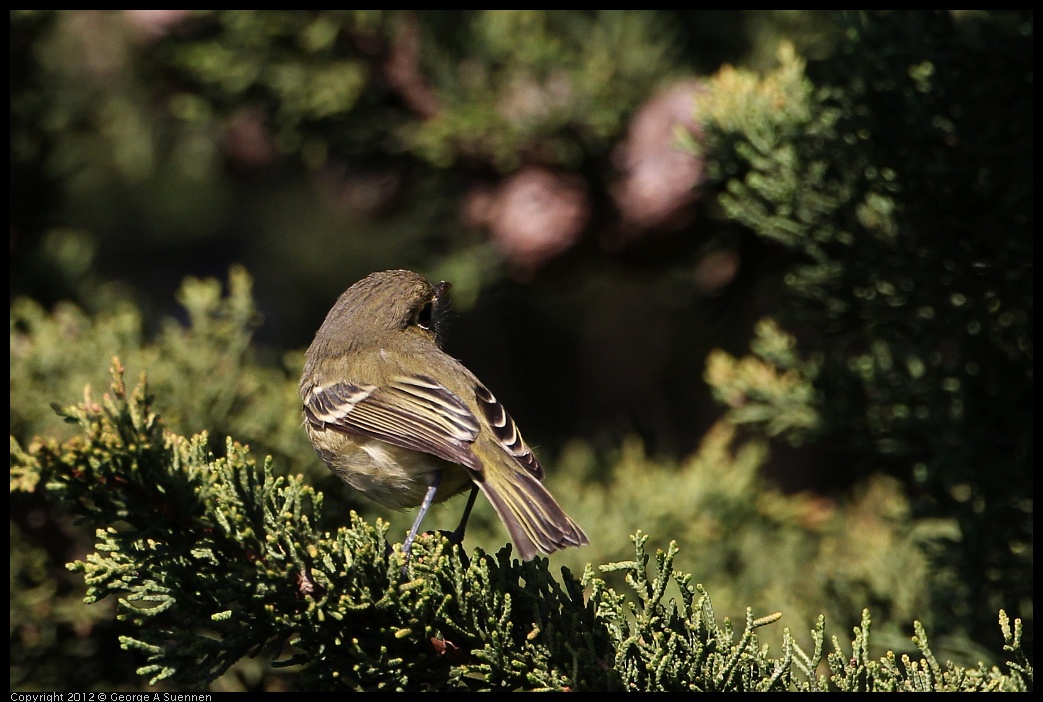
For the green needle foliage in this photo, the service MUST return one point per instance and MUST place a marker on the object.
(216, 559)
(887, 181)
(232, 391)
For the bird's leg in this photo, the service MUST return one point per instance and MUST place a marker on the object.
(457, 537)
(424, 506)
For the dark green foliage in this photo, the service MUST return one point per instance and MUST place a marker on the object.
(891, 182)
(838, 558)
(54, 636)
(752, 545)
(224, 388)
(393, 83)
(207, 373)
(215, 559)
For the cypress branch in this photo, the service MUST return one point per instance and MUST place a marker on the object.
(214, 558)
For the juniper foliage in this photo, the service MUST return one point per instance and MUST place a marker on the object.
(215, 559)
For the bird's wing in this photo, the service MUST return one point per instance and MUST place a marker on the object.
(413, 412)
(508, 438)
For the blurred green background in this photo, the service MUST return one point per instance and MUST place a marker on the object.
(760, 282)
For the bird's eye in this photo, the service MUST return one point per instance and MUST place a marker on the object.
(425, 318)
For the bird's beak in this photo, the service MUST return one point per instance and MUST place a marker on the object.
(441, 289)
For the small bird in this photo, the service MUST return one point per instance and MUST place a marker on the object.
(406, 424)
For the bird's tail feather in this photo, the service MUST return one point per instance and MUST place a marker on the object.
(534, 520)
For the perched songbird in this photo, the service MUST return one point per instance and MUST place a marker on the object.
(406, 424)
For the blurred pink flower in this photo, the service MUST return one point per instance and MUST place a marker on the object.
(657, 188)
(716, 270)
(153, 24)
(534, 215)
(248, 144)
